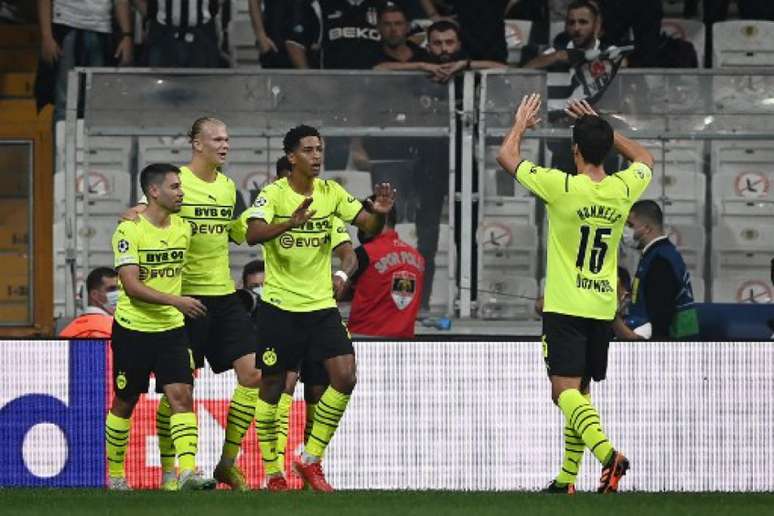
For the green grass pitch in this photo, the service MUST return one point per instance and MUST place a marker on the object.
(61, 502)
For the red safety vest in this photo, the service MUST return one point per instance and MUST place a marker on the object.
(388, 294)
(98, 326)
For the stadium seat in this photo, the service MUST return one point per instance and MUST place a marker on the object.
(508, 246)
(355, 182)
(439, 296)
(516, 37)
(742, 182)
(742, 249)
(738, 288)
(690, 241)
(692, 31)
(742, 43)
(242, 42)
(506, 297)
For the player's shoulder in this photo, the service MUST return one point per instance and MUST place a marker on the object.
(180, 224)
(128, 227)
(225, 180)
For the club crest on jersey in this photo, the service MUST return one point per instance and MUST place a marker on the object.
(269, 357)
(404, 286)
(121, 381)
(372, 16)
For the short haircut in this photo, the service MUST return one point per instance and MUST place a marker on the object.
(594, 137)
(391, 7)
(294, 136)
(649, 212)
(443, 26)
(392, 217)
(283, 167)
(94, 279)
(154, 174)
(251, 268)
(584, 4)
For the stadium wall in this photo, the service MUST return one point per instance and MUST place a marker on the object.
(692, 416)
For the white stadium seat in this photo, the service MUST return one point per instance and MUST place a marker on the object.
(507, 246)
(690, 241)
(743, 289)
(743, 181)
(742, 249)
(516, 37)
(242, 42)
(742, 43)
(355, 182)
(503, 296)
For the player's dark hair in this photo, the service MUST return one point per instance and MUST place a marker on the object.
(391, 7)
(443, 26)
(196, 128)
(94, 279)
(293, 137)
(392, 217)
(283, 167)
(251, 268)
(584, 4)
(154, 174)
(594, 138)
(649, 212)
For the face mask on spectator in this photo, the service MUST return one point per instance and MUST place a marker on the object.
(111, 300)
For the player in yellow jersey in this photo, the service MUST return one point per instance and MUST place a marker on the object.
(297, 317)
(225, 336)
(586, 215)
(148, 329)
(312, 374)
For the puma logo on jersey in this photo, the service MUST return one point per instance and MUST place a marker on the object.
(211, 197)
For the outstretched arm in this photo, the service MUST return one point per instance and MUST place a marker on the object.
(509, 156)
(372, 223)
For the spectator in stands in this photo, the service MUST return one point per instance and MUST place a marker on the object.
(643, 19)
(445, 46)
(97, 320)
(482, 27)
(350, 39)
(581, 31)
(387, 284)
(181, 33)
(270, 19)
(662, 305)
(252, 276)
(78, 33)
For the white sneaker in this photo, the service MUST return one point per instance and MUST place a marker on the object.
(118, 484)
(195, 481)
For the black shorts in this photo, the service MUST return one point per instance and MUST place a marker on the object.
(576, 346)
(225, 334)
(137, 354)
(313, 373)
(286, 339)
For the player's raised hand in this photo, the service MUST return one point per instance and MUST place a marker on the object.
(526, 114)
(577, 108)
(384, 198)
(191, 307)
(302, 213)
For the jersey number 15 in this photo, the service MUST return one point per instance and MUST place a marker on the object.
(598, 251)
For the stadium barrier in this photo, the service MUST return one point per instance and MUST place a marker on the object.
(692, 416)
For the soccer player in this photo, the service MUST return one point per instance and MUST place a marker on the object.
(586, 216)
(312, 373)
(225, 335)
(298, 318)
(148, 330)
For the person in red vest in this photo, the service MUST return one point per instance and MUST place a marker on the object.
(387, 284)
(97, 320)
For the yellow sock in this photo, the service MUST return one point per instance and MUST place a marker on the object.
(327, 415)
(582, 417)
(573, 454)
(185, 436)
(166, 447)
(116, 442)
(266, 428)
(241, 412)
(310, 408)
(283, 417)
